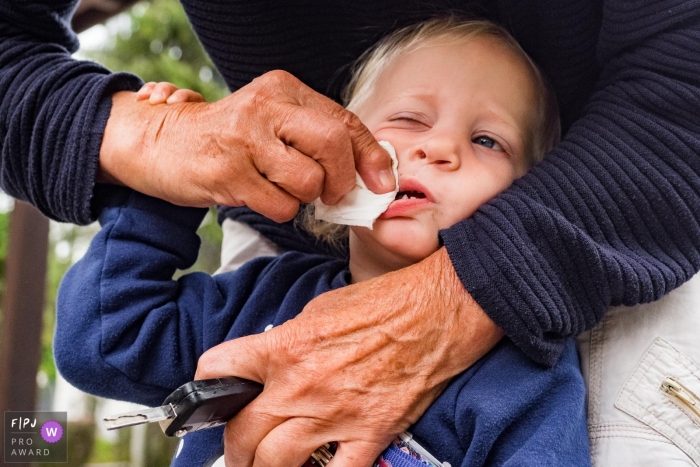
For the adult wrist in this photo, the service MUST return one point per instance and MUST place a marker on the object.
(123, 138)
(155, 150)
(473, 333)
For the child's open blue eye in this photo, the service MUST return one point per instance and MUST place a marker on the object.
(487, 142)
(484, 141)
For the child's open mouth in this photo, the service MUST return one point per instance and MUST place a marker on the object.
(409, 195)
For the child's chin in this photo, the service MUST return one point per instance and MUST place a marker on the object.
(406, 238)
(415, 250)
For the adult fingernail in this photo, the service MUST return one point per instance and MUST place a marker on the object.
(386, 178)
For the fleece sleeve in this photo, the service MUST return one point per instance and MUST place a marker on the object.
(53, 109)
(125, 329)
(611, 217)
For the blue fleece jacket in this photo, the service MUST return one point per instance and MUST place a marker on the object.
(126, 330)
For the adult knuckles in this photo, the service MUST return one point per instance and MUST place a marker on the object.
(234, 450)
(309, 184)
(235, 435)
(268, 454)
(252, 103)
(282, 210)
(277, 78)
(335, 153)
(254, 98)
(266, 109)
(287, 343)
(279, 82)
(352, 121)
(362, 137)
(208, 365)
(335, 134)
(372, 160)
(320, 305)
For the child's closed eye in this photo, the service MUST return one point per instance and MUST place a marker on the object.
(410, 120)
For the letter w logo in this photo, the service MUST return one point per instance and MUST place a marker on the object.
(52, 431)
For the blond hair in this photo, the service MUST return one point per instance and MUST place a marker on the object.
(545, 130)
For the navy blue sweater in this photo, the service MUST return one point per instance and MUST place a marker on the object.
(126, 330)
(610, 217)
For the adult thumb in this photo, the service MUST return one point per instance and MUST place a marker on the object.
(372, 162)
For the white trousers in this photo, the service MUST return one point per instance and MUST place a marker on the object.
(625, 359)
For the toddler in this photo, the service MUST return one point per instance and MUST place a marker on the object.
(467, 112)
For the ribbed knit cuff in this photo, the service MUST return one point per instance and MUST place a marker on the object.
(479, 267)
(85, 168)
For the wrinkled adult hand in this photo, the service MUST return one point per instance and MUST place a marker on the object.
(358, 366)
(271, 145)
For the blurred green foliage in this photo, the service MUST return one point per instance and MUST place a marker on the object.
(155, 41)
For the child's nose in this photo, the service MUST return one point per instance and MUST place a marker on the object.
(443, 151)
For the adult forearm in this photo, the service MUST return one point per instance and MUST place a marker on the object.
(449, 329)
(611, 216)
(358, 365)
(135, 147)
(53, 110)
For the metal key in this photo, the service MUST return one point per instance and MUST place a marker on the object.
(138, 417)
(194, 406)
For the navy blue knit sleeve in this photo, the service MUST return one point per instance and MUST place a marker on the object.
(611, 217)
(125, 329)
(53, 109)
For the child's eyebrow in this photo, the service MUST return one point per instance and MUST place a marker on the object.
(418, 92)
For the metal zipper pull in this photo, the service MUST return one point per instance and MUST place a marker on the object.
(408, 438)
(321, 456)
(675, 389)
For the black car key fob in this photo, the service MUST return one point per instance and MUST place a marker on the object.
(194, 406)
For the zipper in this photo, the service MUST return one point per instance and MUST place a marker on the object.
(408, 438)
(675, 390)
(321, 456)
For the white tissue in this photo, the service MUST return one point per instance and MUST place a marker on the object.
(360, 206)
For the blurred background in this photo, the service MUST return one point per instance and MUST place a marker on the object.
(154, 41)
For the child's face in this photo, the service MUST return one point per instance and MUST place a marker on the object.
(459, 116)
